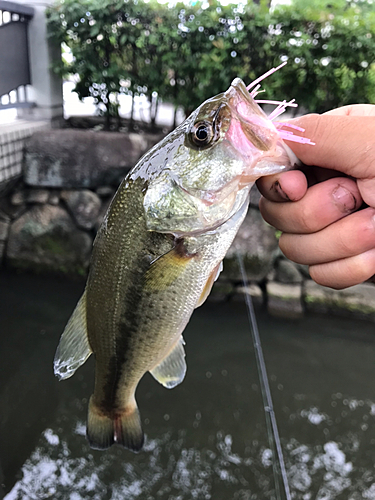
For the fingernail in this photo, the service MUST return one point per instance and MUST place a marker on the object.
(344, 199)
(276, 186)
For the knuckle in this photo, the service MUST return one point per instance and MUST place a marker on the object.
(361, 268)
(344, 242)
(306, 221)
(290, 248)
(364, 158)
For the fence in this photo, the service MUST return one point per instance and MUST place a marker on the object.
(14, 60)
(12, 141)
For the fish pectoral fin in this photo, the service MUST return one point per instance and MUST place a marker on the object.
(74, 347)
(209, 284)
(171, 371)
(167, 268)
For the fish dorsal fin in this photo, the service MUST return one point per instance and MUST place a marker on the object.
(171, 371)
(73, 348)
(209, 284)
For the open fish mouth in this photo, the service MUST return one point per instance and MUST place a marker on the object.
(257, 127)
(253, 121)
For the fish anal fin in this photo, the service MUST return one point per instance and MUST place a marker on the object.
(171, 371)
(166, 269)
(123, 428)
(74, 347)
(209, 284)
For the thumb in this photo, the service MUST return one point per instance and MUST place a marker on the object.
(367, 189)
(343, 143)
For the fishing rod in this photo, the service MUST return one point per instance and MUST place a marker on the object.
(271, 423)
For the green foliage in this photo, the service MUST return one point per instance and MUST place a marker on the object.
(187, 53)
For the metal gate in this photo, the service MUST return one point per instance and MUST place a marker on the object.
(14, 55)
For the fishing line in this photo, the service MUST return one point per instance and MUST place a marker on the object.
(272, 429)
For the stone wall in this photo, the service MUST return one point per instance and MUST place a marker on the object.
(48, 223)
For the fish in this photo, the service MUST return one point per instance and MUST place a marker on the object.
(159, 250)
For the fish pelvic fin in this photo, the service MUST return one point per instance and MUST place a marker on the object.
(171, 371)
(123, 428)
(74, 347)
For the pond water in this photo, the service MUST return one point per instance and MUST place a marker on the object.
(205, 439)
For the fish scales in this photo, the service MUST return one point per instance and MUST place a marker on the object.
(158, 252)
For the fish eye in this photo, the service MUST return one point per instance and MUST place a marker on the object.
(202, 134)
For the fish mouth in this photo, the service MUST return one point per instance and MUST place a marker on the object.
(255, 125)
(240, 89)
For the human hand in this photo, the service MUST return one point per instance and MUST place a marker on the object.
(316, 208)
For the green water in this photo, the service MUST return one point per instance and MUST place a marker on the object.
(205, 439)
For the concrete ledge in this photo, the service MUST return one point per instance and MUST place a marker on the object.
(358, 300)
(82, 159)
(253, 290)
(284, 301)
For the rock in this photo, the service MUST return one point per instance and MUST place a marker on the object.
(18, 198)
(2, 251)
(257, 243)
(254, 196)
(4, 216)
(81, 159)
(253, 290)
(287, 272)
(105, 192)
(304, 270)
(10, 211)
(54, 197)
(46, 239)
(4, 228)
(102, 212)
(84, 205)
(284, 301)
(37, 196)
(358, 300)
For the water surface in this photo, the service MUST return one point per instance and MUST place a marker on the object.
(205, 439)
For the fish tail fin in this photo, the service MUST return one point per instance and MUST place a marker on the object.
(128, 429)
(100, 431)
(124, 429)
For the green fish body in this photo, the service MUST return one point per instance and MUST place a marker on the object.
(158, 253)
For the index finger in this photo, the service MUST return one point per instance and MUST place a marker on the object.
(342, 142)
(353, 110)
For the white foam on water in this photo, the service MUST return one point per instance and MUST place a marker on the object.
(168, 468)
(52, 438)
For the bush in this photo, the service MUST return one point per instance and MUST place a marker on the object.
(188, 53)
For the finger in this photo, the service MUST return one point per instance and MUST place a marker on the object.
(353, 110)
(322, 205)
(343, 143)
(345, 238)
(317, 174)
(345, 272)
(287, 186)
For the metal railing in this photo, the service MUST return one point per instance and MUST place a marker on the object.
(14, 55)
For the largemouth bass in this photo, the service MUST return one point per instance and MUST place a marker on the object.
(158, 252)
